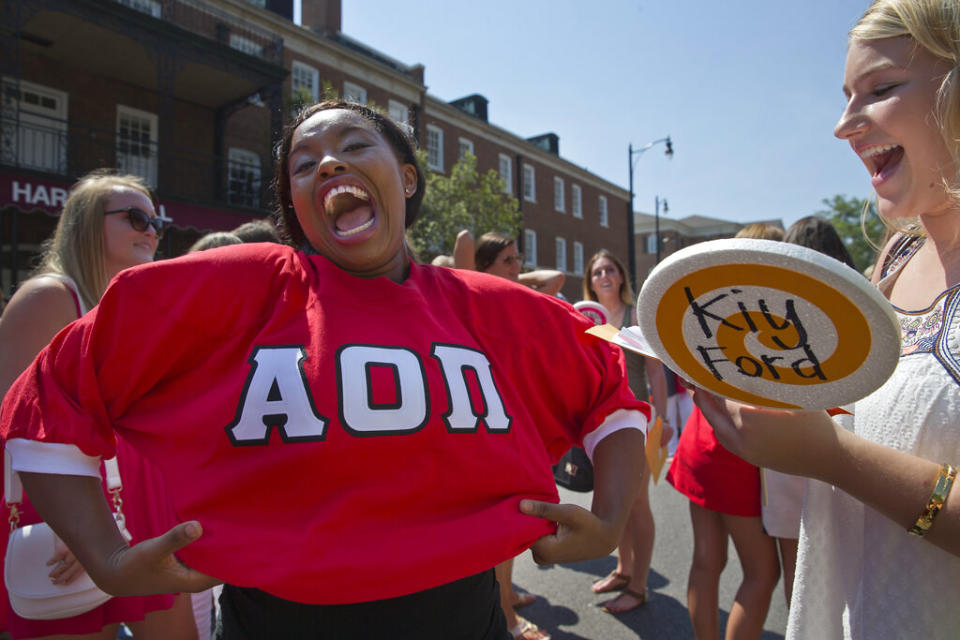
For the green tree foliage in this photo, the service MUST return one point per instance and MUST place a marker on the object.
(466, 199)
(845, 214)
(302, 97)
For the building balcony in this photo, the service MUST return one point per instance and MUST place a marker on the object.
(206, 21)
(189, 49)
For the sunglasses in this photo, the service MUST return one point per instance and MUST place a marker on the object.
(140, 219)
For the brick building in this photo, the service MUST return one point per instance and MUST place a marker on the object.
(676, 234)
(191, 95)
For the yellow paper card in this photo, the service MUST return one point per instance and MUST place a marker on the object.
(656, 455)
(605, 331)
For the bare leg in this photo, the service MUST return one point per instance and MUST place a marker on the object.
(175, 623)
(615, 580)
(788, 562)
(504, 573)
(709, 559)
(761, 570)
(639, 533)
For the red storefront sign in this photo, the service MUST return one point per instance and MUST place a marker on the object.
(28, 193)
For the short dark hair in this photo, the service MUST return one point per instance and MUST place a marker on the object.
(817, 233)
(489, 246)
(286, 218)
(257, 231)
(213, 240)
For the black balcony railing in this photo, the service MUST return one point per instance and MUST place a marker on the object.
(69, 150)
(210, 22)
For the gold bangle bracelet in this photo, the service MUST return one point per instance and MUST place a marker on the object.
(948, 473)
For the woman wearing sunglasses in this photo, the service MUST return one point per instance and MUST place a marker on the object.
(108, 224)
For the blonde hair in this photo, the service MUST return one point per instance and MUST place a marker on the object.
(76, 248)
(626, 291)
(761, 231)
(935, 26)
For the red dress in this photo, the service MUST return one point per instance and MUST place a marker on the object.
(711, 476)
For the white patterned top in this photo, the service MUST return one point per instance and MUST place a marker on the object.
(859, 574)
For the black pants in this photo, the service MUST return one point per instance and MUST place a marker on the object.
(467, 609)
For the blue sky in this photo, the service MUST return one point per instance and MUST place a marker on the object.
(749, 90)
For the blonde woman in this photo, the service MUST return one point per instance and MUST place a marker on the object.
(607, 283)
(108, 223)
(880, 530)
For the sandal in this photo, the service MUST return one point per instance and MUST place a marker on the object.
(526, 630)
(615, 580)
(639, 596)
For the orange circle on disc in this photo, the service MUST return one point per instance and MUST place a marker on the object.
(851, 327)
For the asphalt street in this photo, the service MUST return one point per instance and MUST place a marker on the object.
(568, 609)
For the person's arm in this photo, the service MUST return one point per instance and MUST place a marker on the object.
(657, 381)
(77, 511)
(39, 309)
(464, 251)
(618, 463)
(543, 280)
(63, 402)
(895, 483)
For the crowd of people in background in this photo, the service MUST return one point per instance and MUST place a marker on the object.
(829, 506)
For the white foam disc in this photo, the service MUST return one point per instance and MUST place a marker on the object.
(593, 310)
(769, 323)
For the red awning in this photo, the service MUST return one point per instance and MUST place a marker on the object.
(28, 193)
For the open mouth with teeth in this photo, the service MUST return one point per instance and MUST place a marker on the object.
(883, 159)
(350, 208)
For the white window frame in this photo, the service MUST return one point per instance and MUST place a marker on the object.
(398, 111)
(529, 248)
(245, 165)
(40, 140)
(603, 211)
(506, 173)
(246, 45)
(529, 183)
(651, 244)
(561, 248)
(353, 92)
(465, 146)
(559, 203)
(578, 258)
(302, 75)
(149, 7)
(576, 201)
(132, 163)
(434, 148)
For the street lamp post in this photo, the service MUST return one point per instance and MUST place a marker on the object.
(656, 218)
(631, 241)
